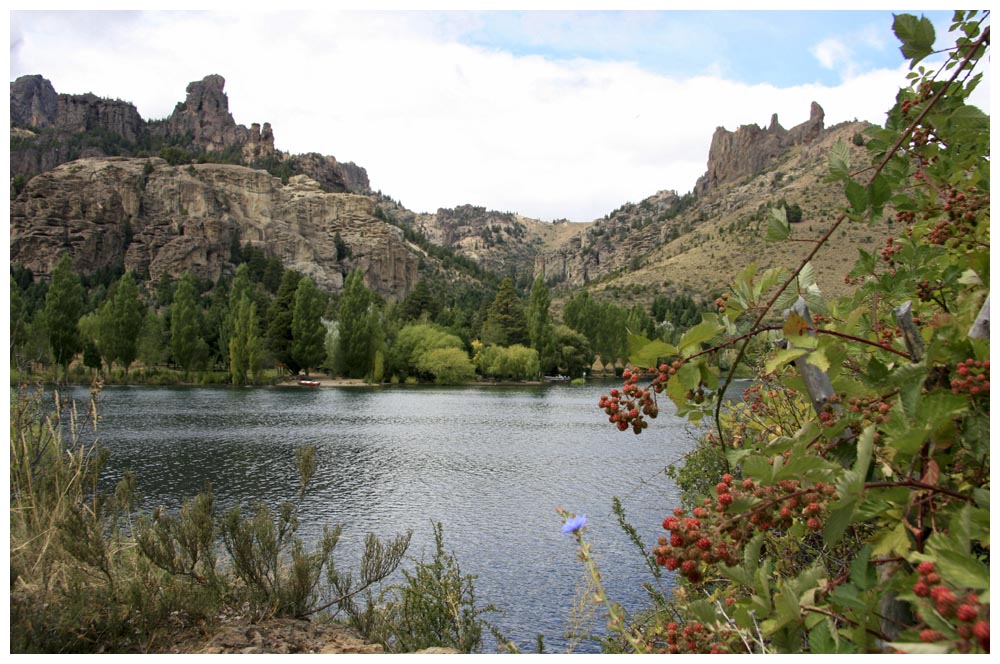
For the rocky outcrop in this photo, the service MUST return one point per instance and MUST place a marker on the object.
(50, 129)
(751, 149)
(165, 220)
(204, 117)
(333, 175)
(34, 104)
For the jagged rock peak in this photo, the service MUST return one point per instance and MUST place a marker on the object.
(751, 149)
(33, 102)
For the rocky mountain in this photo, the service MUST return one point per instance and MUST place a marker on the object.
(48, 129)
(159, 220)
(162, 216)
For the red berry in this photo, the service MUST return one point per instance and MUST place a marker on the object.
(931, 635)
(981, 630)
(814, 524)
(925, 568)
(921, 589)
(967, 613)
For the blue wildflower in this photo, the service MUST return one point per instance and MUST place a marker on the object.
(574, 524)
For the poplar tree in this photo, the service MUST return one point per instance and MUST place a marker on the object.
(246, 348)
(360, 329)
(279, 321)
(188, 347)
(308, 332)
(540, 324)
(63, 306)
(120, 322)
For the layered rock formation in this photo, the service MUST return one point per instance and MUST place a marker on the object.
(166, 220)
(750, 149)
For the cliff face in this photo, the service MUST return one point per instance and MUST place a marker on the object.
(751, 149)
(52, 129)
(115, 211)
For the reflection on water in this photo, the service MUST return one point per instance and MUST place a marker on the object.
(491, 464)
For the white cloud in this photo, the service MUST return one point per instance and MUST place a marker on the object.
(437, 123)
(832, 53)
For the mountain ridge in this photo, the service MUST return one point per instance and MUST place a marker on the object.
(615, 253)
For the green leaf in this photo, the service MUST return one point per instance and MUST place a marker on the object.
(778, 228)
(701, 332)
(889, 542)
(647, 354)
(969, 118)
(917, 36)
(857, 195)
(862, 572)
(840, 161)
(879, 192)
(783, 357)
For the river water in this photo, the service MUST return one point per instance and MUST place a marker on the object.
(491, 464)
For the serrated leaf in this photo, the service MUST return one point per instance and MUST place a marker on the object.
(647, 356)
(857, 195)
(840, 161)
(891, 542)
(917, 36)
(783, 357)
(795, 325)
(879, 191)
(807, 275)
(698, 334)
(969, 118)
(778, 228)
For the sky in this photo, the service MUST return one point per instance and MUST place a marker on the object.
(551, 114)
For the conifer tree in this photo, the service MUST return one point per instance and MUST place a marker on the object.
(506, 323)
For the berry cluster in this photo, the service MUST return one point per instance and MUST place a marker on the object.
(961, 208)
(712, 535)
(971, 614)
(629, 406)
(889, 251)
(874, 410)
(720, 302)
(973, 378)
(696, 638)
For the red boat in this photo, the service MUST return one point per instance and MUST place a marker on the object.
(309, 383)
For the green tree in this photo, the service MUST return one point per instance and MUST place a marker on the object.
(360, 328)
(154, 340)
(63, 306)
(447, 366)
(308, 332)
(187, 345)
(418, 301)
(413, 342)
(246, 348)
(506, 323)
(573, 352)
(279, 321)
(120, 322)
(540, 329)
